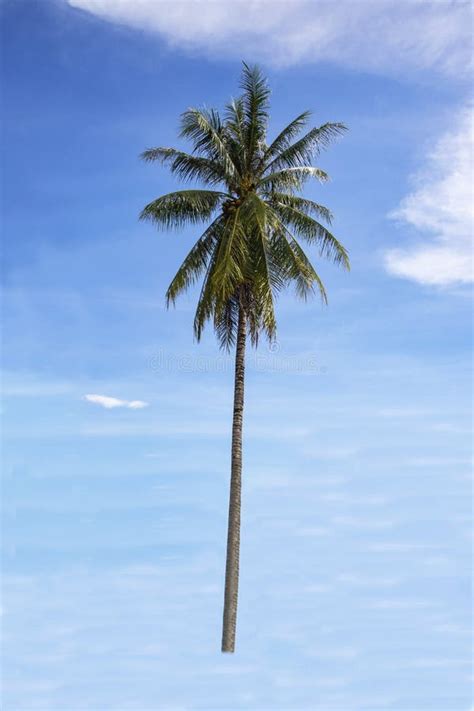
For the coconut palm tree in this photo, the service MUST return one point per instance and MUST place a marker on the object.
(250, 248)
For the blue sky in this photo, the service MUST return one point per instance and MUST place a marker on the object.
(356, 537)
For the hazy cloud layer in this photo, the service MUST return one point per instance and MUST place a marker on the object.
(441, 206)
(384, 37)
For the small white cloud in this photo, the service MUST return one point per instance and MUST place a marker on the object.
(442, 206)
(137, 404)
(385, 37)
(111, 402)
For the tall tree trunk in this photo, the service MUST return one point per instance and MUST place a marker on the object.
(233, 532)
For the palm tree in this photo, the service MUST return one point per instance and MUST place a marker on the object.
(250, 248)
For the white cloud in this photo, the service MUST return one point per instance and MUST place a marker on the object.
(112, 402)
(386, 36)
(441, 205)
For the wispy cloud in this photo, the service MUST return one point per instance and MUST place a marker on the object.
(348, 499)
(362, 524)
(400, 547)
(431, 462)
(387, 36)
(402, 412)
(357, 580)
(330, 453)
(435, 663)
(30, 384)
(313, 531)
(441, 206)
(342, 653)
(111, 402)
(400, 604)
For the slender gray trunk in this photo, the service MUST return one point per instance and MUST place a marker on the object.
(233, 532)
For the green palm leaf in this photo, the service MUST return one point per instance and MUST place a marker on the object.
(205, 130)
(301, 269)
(236, 134)
(304, 150)
(292, 178)
(255, 110)
(176, 209)
(308, 207)
(196, 261)
(284, 138)
(189, 167)
(313, 232)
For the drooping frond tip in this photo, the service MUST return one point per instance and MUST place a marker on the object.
(182, 207)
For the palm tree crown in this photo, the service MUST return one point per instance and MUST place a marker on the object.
(250, 249)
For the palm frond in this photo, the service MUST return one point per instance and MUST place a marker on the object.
(314, 275)
(310, 145)
(204, 128)
(308, 207)
(292, 178)
(313, 232)
(267, 275)
(176, 209)
(206, 302)
(189, 167)
(285, 137)
(195, 262)
(231, 257)
(255, 104)
(226, 321)
(261, 317)
(235, 130)
(290, 266)
(301, 269)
